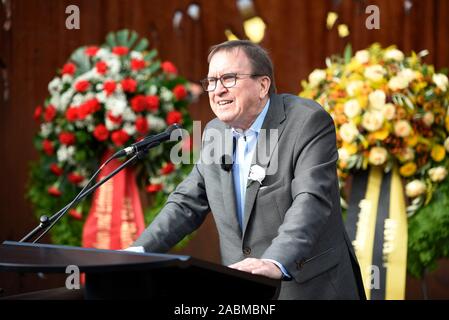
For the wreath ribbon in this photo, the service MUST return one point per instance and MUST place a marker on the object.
(376, 223)
(115, 218)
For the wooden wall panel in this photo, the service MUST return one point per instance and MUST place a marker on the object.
(297, 38)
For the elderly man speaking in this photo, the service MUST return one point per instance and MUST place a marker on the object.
(278, 215)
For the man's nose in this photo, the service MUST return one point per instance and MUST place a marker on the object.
(220, 88)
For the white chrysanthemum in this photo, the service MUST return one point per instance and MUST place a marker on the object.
(129, 115)
(348, 132)
(46, 129)
(402, 79)
(167, 106)
(156, 123)
(316, 77)
(116, 103)
(402, 128)
(55, 86)
(343, 154)
(65, 153)
(152, 90)
(394, 54)
(114, 65)
(441, 81)
(377, 156)
(55, 100)
(372, 120)
(89, 96)
(398, 83)
(103, 54)
(156, 180)
(89, 120)
(67, 78)
(428, 118)
(437, 174)
(389, 111)
(415, 188)
(408, 74)
(136, 55)
(374, 73)
(101, 96)
(129, 128)
(166, 95)
(377, 99)
(86, 76)
(408, 154)
(362, 56)
(80, 124)
(353, 87)
(111, 125)
(66, 98)
(352, 108)
(77, 99)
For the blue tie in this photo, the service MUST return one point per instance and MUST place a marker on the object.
(245, 145)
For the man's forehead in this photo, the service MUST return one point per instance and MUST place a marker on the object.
(225, 61)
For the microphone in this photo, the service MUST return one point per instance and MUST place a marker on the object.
(226, 160)
(148, 142)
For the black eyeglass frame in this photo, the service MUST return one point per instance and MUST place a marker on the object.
(205, 82)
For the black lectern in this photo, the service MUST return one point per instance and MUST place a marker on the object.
(111, 274)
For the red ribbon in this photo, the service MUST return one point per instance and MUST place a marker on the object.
(115, 218)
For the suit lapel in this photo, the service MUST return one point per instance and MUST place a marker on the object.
(273, 120)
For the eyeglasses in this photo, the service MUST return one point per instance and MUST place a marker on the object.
(228, 80)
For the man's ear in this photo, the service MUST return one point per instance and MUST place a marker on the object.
(265, 83)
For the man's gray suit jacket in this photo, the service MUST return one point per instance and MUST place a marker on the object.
(293, 217)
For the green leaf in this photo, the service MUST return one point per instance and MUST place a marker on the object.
(80, 156)
(110, 39)
(122, 37)
(348, 53)
(428, 238)
(142, 45)
(408, 103)
(150, 55)
(81, 60)
(132, 39)
(154, 66)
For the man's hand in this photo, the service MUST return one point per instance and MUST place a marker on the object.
(258, 266)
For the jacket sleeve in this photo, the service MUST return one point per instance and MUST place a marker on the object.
(184, 212)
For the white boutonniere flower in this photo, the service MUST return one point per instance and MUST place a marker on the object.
(256, 173)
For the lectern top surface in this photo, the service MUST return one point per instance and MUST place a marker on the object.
(28, 257)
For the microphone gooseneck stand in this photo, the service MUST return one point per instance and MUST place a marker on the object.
(47, 223)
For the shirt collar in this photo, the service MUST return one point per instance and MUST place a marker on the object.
(256, 126)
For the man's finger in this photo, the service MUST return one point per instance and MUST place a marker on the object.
(268, 272)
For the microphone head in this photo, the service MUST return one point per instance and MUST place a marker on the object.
(226, 162)
(173, 127)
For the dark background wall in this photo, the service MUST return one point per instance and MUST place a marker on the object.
(34, 42)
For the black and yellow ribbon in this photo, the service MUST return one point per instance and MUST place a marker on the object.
(376, 223)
